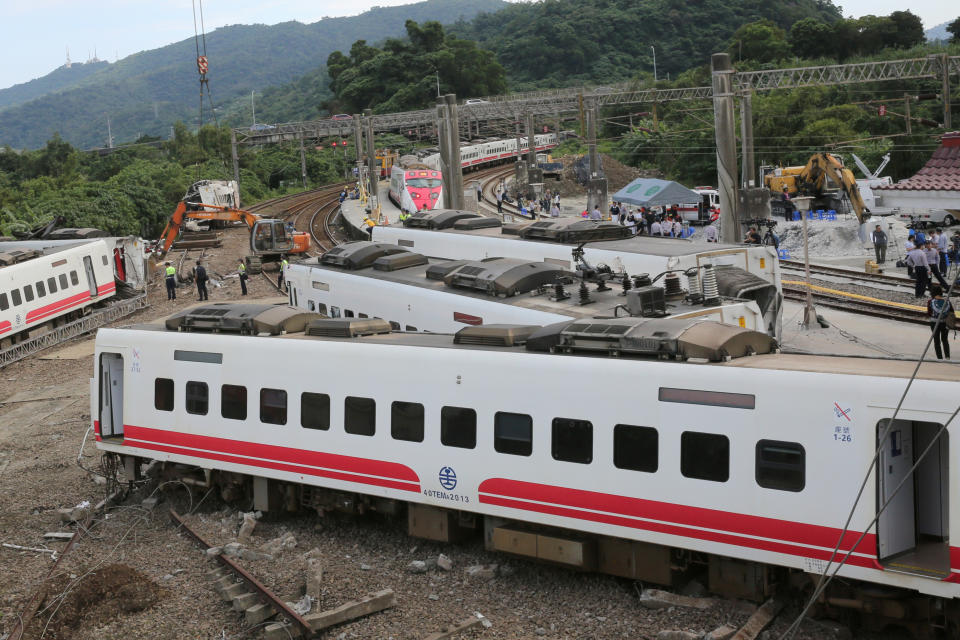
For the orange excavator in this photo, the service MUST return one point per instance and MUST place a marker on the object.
(269, 238)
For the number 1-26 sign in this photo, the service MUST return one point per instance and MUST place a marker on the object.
(202, 65)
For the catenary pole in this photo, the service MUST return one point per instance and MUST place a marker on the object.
(722, 72)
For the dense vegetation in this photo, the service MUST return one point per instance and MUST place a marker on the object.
(410, 73)
(144, 94)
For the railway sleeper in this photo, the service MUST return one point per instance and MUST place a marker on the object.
(870, 607)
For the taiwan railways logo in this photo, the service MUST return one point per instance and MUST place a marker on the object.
(448, 478)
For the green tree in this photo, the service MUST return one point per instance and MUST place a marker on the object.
(58, 159)
(809, 38)
(762, 41)
(908, 30)
(954, 30)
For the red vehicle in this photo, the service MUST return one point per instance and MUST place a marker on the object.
(415, 186)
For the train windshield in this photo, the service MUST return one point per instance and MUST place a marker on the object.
(420, 183)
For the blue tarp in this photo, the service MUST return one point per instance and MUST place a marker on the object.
(650, 192)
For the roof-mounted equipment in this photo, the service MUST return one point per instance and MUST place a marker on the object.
(437, 218)
(495, 335)
(245, 319)
(358, 255)
(574, 230)
(483, 222)
(347, 327)
(505, 277)
(397, 261)
(675, 338)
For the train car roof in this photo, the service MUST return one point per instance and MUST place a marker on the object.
(646, 245)
(809, 363)
(604, 302)
(18, 252)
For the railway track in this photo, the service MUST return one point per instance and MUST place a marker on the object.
(870, 278)
(888, 310)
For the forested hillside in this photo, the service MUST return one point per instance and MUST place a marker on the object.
(147, 92)
(57, 80)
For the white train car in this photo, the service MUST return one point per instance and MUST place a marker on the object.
(351, 281)
(50, 285)
(640, 254)
(753, 460)
(485, 153)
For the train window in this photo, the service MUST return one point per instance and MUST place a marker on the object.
(709, 398)
(197, 398)
(28, 292)
(635, 448)
(705, 456)
(15, 297)
(411, 328)
(315, 410)
(104, 258)
(163, 394)
(395, 326)
(458, 427)
(572, 440)
(273, 406)
(311, 306)
(4, 302)
(52, 285)
(63, 281)
(233, 402)
(781, 465)
(74, 279)
(513, 433)
(347, 313)
(322, 308)
(334, 312)
(362, 315)
(41, 290)
(359, 416)
(406, 421)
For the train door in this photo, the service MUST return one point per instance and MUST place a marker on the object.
(913, 530)
(111, 395)
(91, 276)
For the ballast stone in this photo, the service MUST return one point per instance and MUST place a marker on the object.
(417, 566)
(674, 634)
(483, 571)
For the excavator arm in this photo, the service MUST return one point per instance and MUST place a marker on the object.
(822, 166)
(206, 212)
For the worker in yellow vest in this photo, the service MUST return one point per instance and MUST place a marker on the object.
(171, 273)
(242, 270)
(283, 272)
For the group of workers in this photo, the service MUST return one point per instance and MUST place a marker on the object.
(201, 278)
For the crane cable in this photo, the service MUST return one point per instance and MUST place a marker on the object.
(881, 441)
(198, 38)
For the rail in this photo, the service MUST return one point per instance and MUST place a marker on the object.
(73, 329)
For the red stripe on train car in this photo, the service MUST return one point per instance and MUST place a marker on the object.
(795, 532)
(348, 464)
(67, 303)
(5, 326)
(676, 529)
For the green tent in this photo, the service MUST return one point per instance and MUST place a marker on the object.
(650, 192)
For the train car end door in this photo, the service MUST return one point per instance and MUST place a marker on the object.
(111, 395)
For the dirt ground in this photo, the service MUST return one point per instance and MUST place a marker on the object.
(132, 574)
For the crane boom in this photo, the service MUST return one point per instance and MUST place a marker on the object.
(203, 212)
(822, 166)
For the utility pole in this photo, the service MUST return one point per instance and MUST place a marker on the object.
(722, 72)
(235, 157)
(453, 153)
(358, 142)
(303, 159)
(520, 170)
(906, 113)
(654, 63)
(531, 142)
(597, 184)
(253, 108)
(534, 173)
(372, 176)
(109, 135)
(748, 177)
(945, 66)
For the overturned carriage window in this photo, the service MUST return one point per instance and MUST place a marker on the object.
(15, 297)
(406, 421)
(705, 456)
(314, 410)
(458, 427)
(513, 433)
(41, 290)
(572, 440)
(28, 292)
(273, 406)
(322, 308)
(233, 402)
(359, 416)
(74, 278)
(334, 312)
(635, 448)
(63, 280)
(104, 259)
(197, 398)
(709, 398)
(208, 357)
(52, 284)
(781, 465)
(4, 303)
(163, 394)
